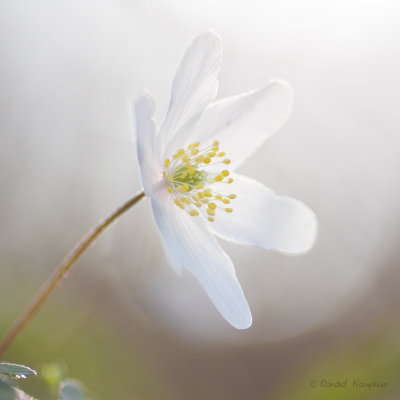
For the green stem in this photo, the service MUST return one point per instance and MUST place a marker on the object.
(60, 272)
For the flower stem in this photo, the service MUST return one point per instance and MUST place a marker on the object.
(61, 272)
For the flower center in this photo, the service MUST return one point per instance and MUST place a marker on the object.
(189, 172)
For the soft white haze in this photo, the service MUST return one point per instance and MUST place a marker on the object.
(67, 71)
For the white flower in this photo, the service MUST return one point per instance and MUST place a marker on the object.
(187, 171)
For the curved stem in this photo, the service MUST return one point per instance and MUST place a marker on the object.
(61, 271)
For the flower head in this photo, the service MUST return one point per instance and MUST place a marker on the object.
(187, 169)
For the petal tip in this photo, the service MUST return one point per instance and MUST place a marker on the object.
(244, 323)
(287, 90)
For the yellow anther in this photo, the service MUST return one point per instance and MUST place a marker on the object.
(190, 183)
(184, 188)
(225, 172)
(212, 206)
(179, 204)
(199, 159)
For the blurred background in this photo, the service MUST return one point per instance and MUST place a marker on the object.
(123, 322)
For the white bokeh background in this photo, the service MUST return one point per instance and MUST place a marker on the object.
(67, 72)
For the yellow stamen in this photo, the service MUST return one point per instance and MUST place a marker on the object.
(184, 188)
(212, 206)
(179, 204)
(189, 180)
(199, 159)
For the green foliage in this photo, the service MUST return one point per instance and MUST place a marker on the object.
(7, 392)
(53, 375)
(71, 390)
(16, 370)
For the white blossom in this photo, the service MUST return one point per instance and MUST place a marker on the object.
(187, 169)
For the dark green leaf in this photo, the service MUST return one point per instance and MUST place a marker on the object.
(23, 396)
(71, 390)
(15, 370)
(7, 392)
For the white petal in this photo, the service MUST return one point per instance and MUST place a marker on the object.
(263, 219)
(195, 84)
(146, 131)
(242, 123)
(190, 245)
